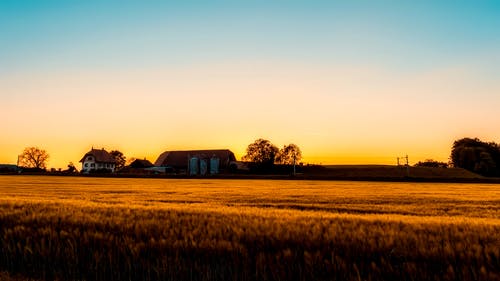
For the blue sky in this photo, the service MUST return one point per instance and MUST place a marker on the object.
(405, 35)
(348, 81)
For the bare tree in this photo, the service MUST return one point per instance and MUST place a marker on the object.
(34, 157)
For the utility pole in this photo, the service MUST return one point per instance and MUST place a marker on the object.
(404, 161)
(17, 165)
(407, 166)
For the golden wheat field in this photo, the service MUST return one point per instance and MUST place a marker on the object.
(78, 228)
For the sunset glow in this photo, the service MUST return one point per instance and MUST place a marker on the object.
(350, 83)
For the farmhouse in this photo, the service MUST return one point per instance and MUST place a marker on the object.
(97, 159)
(197, 162)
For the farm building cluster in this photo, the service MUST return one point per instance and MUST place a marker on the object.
(188, 162)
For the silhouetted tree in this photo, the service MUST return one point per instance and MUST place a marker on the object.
(71, 168)
(34, 157)
(289, 155)
(476, 156)
(119, 158)
(262, 152)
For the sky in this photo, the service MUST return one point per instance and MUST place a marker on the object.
(349, 82)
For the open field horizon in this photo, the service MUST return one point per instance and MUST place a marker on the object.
(345, 89)
(102, 229)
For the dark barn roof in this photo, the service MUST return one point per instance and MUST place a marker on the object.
(100, 155)
(179, 159)
(138, 163)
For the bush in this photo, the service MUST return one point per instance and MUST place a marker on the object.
(432, 164)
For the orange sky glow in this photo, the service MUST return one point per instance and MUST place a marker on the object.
(325, 111)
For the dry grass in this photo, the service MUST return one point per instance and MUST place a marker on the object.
(153, 229)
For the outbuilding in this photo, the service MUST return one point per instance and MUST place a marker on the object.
(197, 162)
(141, 164)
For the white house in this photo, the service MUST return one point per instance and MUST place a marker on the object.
(97, 159)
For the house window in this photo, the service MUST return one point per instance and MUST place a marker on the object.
(86, 165)
(92, 165)
(89, 158)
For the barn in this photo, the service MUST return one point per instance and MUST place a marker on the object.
(197, 162)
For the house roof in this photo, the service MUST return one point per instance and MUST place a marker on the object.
(138, 163)
(100, 155)
(11, 167)
(179, 159)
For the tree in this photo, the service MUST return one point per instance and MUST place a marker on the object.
(119, 158)
(34, 157)
(262, 152)
(289, 155)
(476, 156)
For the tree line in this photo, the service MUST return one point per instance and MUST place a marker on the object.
(262, 151)
(262, 156)
(471, 154)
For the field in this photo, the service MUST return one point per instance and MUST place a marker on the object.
(388, 172)
(75, 228)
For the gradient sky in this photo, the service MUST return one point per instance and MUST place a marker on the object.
(348, 81)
